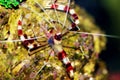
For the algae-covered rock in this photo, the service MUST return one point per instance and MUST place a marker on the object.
(19, 63)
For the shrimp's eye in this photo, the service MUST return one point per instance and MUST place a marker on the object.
(58, 37)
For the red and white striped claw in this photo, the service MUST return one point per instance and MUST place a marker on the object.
(66, 9)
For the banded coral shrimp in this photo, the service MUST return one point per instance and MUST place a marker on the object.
(57, 38)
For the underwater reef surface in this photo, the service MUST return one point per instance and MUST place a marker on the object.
(47, 40)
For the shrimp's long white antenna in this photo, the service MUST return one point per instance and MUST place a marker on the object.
(97, 34)
(27, 7)
(94, 34)
(66, 14)
(45, 13)
(55, 12)
(3, 41)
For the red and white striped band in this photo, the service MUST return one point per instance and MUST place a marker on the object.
(63, 57)
(66, 9)
(27, 43)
